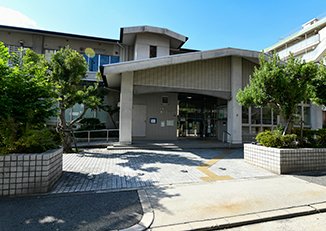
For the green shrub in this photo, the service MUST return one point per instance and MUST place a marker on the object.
(35, 141)
(289, 141)
(91, 124)
(321, 138)
(268, 139)
(311, 138)
(276, 139)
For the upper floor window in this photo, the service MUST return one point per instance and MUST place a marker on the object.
(48, 53)
(100, 60)
(152, 51)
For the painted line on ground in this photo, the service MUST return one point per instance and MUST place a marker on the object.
(211, 176)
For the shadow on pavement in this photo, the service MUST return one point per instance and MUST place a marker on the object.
(78, 211)
(80, 182)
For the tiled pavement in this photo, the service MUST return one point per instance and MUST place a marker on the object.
(102, 169)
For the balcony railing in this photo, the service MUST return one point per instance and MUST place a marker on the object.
(91, 76)
(300, 47)
(89, 135)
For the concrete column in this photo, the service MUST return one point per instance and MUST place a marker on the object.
(316, 117)
(126, 102)
(234, 109)
(38, 43)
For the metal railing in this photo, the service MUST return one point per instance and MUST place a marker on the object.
(95, 131)
(300, 46)
(225, 137)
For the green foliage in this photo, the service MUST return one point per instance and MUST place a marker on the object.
(91, 124)
(280, 85)
(26, 95)
(318, 85)
(276, 139)
(68, 68)
(312, 138)
(36, 141)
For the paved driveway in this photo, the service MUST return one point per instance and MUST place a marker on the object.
(102, 169)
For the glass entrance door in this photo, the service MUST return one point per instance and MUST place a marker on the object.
(199, 115)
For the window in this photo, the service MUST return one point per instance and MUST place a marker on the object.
(152, 51)
(267, 115)
(48, 53)
(165, 100)
(100, 60)
(245, 115)
(255, 115)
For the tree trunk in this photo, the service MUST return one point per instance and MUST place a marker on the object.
(288, 126)
(64, 131)
(67, 141)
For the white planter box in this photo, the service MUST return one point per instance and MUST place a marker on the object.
(282, 160)
(29, 173)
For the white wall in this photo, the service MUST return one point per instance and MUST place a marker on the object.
(145, 40)
(164, 113)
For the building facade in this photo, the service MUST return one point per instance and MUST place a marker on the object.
(309, 44)
(164, 92)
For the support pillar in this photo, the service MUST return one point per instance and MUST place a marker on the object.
(234, 123)
(316, 117)
(126, 102)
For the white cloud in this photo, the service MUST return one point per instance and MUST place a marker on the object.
(12, 17)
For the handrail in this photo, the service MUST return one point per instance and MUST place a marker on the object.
(99, 130)
(225, 140)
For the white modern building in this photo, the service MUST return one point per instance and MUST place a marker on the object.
(165, 92)
(309, 44)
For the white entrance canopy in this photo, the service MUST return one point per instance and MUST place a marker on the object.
(112, 71)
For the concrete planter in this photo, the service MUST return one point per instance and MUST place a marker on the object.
(22, 174)
(281, 160)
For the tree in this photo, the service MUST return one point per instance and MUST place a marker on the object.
(279, 84)
(318, 85)
(68, 68)
(26, 95)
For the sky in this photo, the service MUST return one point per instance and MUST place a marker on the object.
(209, 24)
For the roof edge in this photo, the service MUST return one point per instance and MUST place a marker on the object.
(136, 65)
(46, 32)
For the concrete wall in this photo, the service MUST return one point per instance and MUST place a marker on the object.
(40, 42)
(126, 102)
(212, 74)
(247, 70)
(316, 115)
(164, 113)
(234, 118)
(29, 173)
(144, 40)
(282, 161)
(80, 45)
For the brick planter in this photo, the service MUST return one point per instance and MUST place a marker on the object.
(281, 160)
(29, 173)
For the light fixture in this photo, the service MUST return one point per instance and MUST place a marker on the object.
(189, 97)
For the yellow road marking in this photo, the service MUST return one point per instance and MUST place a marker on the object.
(211, 176)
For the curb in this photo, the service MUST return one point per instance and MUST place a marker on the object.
(248, 219)
(148, 216)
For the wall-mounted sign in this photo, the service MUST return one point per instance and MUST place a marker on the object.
(153, 120)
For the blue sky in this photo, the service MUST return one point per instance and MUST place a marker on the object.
(209, 24)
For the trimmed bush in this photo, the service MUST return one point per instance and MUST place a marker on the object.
(311, 138)
(276, 139)
(91, 124)
(32, 141)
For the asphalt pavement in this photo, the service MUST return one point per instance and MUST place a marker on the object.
(73, 211)
(313, 177)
